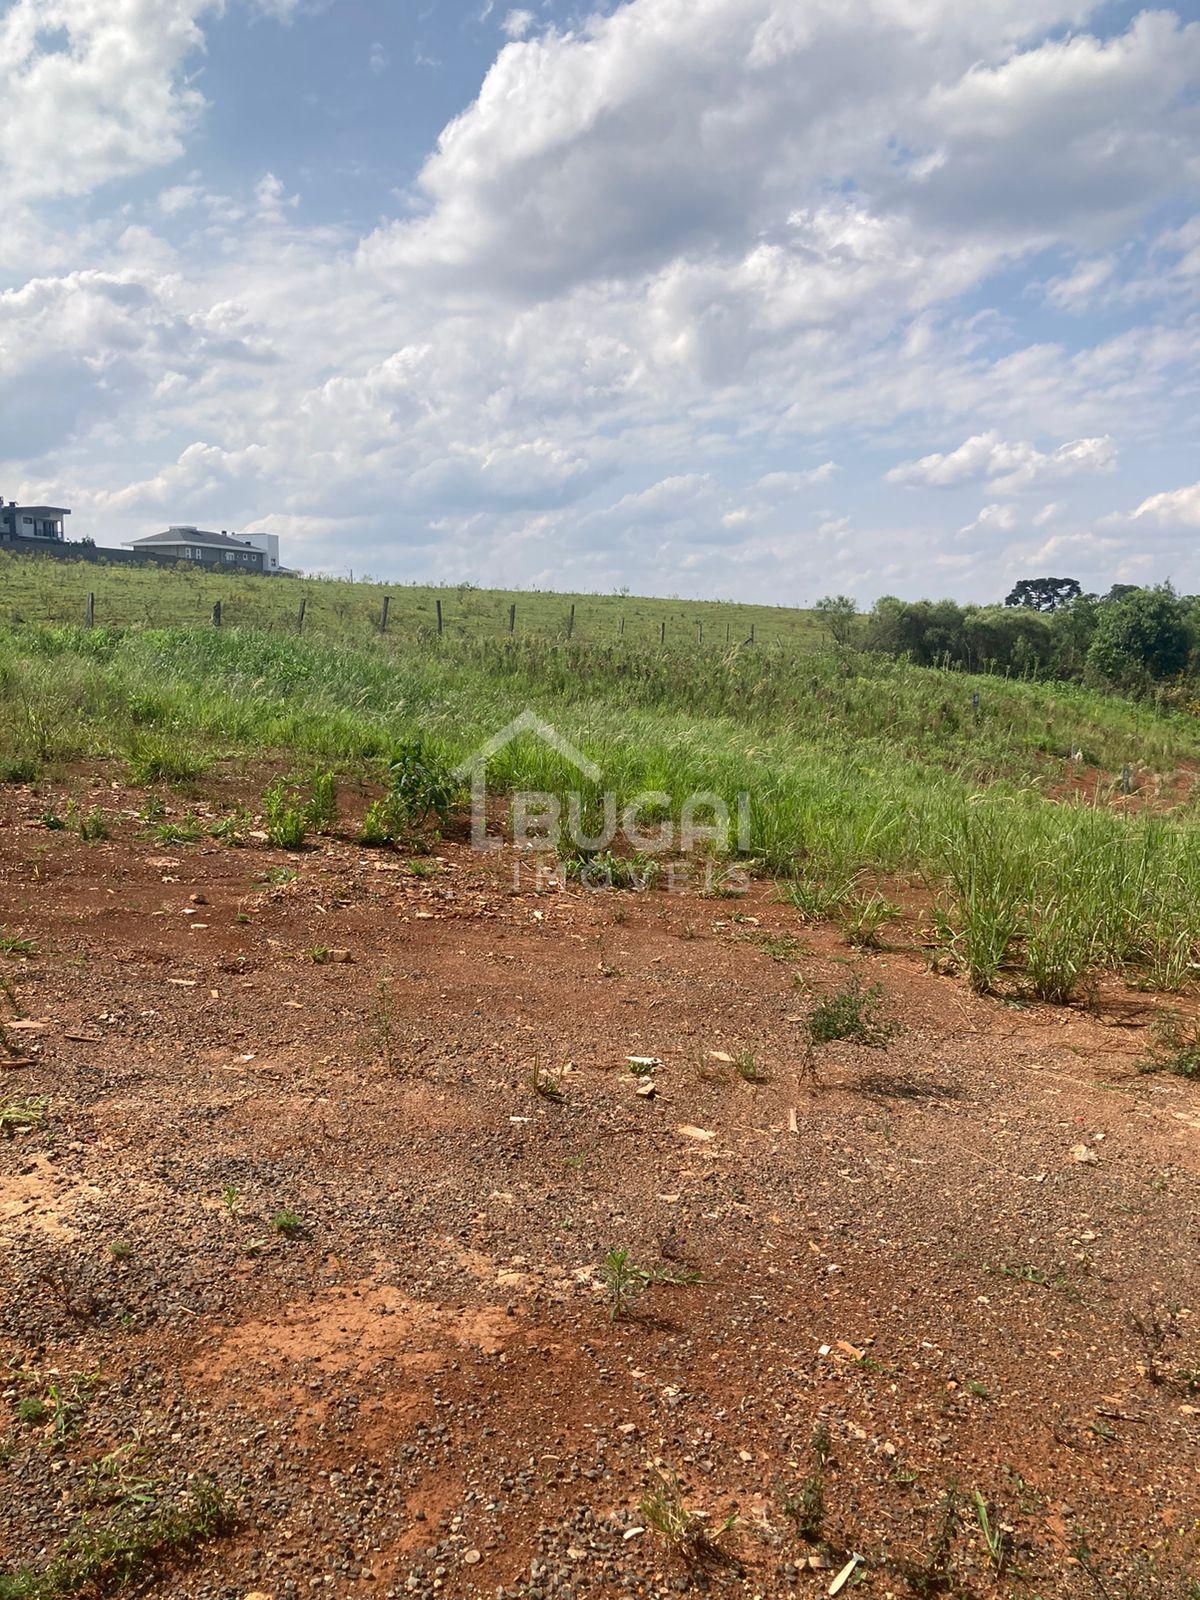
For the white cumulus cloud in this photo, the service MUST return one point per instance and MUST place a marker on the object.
(1007, 466)
(93, 90)
(1174, 507)
(667, 256)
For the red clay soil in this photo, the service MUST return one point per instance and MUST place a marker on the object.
(299, 1219)
(1173, 790)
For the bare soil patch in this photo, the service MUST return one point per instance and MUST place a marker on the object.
(298, 1213)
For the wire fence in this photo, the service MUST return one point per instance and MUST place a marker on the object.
(358, 612)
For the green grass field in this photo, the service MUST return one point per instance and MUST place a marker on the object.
(46, 590)
(859, 769)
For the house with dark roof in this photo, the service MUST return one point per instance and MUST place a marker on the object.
(206, 549)
(38, 531)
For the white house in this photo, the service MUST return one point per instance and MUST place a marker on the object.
(32, 522)
(268, 543)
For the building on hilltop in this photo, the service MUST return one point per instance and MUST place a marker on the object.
(38, 531)
(239, 553)
(32, 522)
(268, 543)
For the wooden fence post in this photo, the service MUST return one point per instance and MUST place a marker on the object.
(300, 615)
(512, 619)
(621, 629)
(571, 622)
(751, 633)
(662, 632)
(383, 613)
(216, 613)
(438, 603)
(700, 633)
(91, 610)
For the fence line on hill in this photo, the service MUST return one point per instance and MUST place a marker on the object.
(365, 620)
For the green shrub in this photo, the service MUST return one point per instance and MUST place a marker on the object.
(321, 810)
(420, 787)
(385, 821)
(286, 818)
(422, 782)
(1141, 632)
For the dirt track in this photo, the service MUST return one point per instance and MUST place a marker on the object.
(421, 1389)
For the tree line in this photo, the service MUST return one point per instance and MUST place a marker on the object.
(1134, 639)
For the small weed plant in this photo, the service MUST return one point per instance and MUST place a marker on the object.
(685, 1533)
(805, 1507)
(604, 869)
(624, 1280)
(855, 1013)
(749, 1069)
(285, 816)
(145, 1532)
(862, 918)
(546, 1085)
(22, 1114)
(1174, 1048)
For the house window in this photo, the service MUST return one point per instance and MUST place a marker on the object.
(230, 555)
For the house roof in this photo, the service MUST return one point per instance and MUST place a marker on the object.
(186, 535)
(40, 511)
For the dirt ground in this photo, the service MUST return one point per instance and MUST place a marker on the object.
(335, 1145)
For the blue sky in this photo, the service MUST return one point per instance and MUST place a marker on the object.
(758, 299)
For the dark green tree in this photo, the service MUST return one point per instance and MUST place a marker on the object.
(1142, 634)
(839, 615)
(1043, 594)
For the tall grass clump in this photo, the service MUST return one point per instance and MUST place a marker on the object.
(1058, 946)
(986, 880)
(1056, 894)
(162, 758)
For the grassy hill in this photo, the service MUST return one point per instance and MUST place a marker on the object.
(46, 590)
(857, 769)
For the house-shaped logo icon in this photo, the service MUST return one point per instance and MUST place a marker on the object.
(474, 768)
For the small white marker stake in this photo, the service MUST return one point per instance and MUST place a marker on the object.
(843, 1577)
